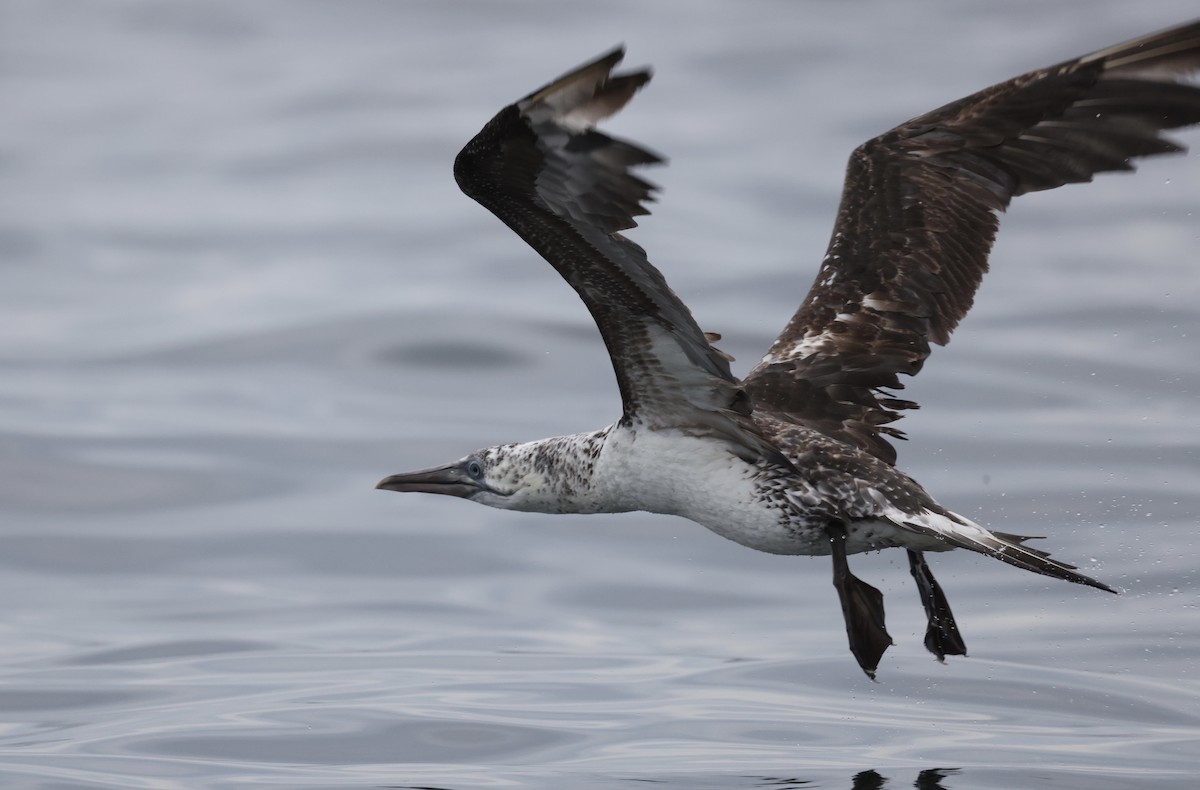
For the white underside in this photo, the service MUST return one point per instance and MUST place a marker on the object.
(671, 472)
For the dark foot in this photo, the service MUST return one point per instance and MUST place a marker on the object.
(942, 637)
(862, 606)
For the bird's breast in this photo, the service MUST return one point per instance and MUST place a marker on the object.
(670, 471)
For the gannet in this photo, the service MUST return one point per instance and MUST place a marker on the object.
(796, 456)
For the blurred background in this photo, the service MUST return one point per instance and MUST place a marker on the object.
(238, 286)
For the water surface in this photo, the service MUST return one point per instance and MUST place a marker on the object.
(238, 286)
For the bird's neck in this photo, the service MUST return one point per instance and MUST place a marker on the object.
(564, 469)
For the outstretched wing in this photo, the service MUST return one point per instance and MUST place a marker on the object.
(568, 191)
(919, 214)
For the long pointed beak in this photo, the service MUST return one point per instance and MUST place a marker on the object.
(449, 480)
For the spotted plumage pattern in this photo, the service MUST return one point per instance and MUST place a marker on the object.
(919, 214)
(796, 458)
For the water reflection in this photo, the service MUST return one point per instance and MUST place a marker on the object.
(239, 285)
(929, 779)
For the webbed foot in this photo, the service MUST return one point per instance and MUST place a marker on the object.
(942, 637)
(862, 607)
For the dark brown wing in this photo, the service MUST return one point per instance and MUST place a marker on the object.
(568, 191)
(919, 214)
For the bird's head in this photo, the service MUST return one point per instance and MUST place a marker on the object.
(486, 476)
(546, 476)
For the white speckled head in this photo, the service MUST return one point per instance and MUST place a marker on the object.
(547, 476)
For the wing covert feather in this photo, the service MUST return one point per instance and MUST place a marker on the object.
(919, 213)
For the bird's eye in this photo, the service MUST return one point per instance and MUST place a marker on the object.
(475, 470)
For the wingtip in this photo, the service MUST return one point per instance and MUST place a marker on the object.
(1173, 51)
(595, 71)
(587, 94)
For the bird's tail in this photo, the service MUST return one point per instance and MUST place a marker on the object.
(1006, 547)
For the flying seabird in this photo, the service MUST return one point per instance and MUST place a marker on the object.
(796, 457)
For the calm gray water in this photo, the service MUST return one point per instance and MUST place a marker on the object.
(238, 286)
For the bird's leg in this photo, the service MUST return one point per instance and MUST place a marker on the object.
(942, 637)
(862, 606)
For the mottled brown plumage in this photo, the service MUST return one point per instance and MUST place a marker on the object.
(919, 215)
(795, 459)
